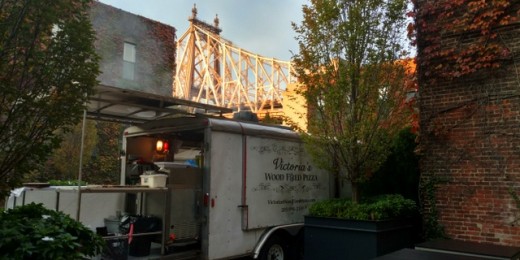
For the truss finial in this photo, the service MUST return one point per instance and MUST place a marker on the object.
(194, 11)
(216, 20)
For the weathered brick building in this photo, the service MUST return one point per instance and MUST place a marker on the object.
(136, 52)
(470, 142)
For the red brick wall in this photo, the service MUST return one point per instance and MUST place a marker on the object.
(470, 146)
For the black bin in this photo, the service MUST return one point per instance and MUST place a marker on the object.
(141, 245)
(117, 249)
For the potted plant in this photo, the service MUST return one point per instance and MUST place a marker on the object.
(343, 229)
(34, 232)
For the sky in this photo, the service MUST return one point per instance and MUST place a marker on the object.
(259, 26)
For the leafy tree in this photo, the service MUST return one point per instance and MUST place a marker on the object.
(104, 166)
(48, 68)
(354, 83)
(100, 157)
(65, 159)
(63, 162)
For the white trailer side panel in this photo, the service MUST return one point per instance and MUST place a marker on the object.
(95, 207)
(281, 182)
(226, 237)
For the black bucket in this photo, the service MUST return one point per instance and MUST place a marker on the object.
(141, 245)
(117, 249)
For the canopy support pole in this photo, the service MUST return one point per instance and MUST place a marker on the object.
(80, 171)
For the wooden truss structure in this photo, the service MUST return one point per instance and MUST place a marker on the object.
(213, 71)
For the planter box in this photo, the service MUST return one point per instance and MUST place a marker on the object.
(331, 238)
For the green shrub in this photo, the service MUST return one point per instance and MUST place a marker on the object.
(376, 208)
(399, 174)
(34, 232)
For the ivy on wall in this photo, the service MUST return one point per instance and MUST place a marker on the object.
(467, 49)
(165, 36)
(457, 38)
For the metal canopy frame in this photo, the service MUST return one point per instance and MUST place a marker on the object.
(134, 107)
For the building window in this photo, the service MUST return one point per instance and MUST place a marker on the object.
(128, 61)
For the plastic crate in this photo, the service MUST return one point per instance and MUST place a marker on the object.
(154, 180)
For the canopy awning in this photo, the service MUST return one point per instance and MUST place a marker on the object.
(131, 106)
(135, 107)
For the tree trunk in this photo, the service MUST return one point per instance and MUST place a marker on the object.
(355, 192)
(337, 186)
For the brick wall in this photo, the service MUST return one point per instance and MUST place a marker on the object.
(470, 147)
(154, 49)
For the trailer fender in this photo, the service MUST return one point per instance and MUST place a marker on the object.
(291, 229)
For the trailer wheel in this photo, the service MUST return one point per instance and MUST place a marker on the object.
(274, 249)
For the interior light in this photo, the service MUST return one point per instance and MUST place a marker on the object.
(162, 146)
(159, 146)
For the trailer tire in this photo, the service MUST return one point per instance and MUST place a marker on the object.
(274, 249)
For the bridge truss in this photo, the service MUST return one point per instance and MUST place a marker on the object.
(212, 70)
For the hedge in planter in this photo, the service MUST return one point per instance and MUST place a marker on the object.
(342, 229)
(376, 208)
(34, 232)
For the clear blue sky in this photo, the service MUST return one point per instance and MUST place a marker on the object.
(259, 26)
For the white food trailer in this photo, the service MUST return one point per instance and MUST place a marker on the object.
(246, 194)
(234, 188)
